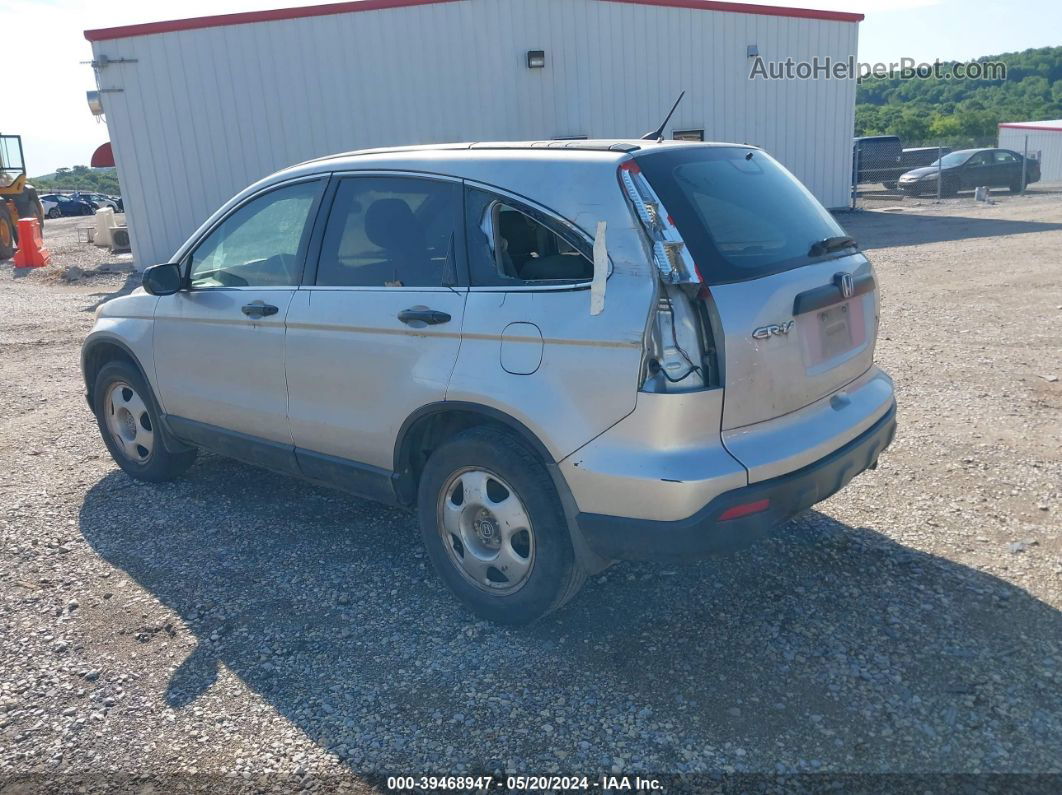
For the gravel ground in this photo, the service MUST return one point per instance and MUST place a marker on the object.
(69, 257)
(236, 624)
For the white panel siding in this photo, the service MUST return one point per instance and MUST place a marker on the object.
(205, 112)
(1045, 143)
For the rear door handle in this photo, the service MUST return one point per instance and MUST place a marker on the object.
(419, 314)
(258, 309)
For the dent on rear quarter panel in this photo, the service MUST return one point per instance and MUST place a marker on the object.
(588, 377)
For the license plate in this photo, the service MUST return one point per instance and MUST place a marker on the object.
(835, 330)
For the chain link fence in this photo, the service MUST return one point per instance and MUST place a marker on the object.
(886, 168)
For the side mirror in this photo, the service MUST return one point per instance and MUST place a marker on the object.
(163, 279)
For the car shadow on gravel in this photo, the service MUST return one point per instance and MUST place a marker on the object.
(130, 283)
(888, 230)
(829, 647)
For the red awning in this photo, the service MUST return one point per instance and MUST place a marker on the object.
(103, 157)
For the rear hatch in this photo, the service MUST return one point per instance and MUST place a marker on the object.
(792, 338)
(795, 302)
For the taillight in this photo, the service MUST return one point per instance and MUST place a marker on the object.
(680, 353)
(670, 255)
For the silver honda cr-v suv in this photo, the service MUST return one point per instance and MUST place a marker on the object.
(562, 354)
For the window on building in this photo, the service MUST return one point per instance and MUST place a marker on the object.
(689, 135)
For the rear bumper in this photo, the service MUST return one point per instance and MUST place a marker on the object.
(702, 534)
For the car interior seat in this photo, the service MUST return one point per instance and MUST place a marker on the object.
(391, 225)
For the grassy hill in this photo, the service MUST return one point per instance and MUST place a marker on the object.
(93, 180)
(963, 112)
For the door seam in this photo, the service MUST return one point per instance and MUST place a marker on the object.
(284, 365)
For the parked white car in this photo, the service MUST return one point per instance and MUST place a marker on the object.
(51, 207)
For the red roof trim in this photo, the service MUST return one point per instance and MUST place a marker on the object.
(221, 20)
(1017, 126)
(746, 8)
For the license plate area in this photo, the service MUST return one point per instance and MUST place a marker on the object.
(832, 331)
(835, 329)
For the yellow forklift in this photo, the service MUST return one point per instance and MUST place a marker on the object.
(17, 199)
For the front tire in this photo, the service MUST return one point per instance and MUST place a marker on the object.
(128, 418)
(54, 213)
(494, 528)
(8, 238)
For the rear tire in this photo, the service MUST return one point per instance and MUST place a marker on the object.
(128, 418)
(494, 528)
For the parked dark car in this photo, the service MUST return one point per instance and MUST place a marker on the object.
(876, 158)
(86, 198)
(967, 169)
(57, 205)
(919, 156)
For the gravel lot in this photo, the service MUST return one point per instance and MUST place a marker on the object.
(238, 624)
(60, 238)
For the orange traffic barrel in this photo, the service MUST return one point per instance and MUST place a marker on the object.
(31, 251)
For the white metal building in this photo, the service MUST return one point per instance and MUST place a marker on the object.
(197, 109)
(1044, 139)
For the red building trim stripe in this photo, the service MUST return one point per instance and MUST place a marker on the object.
(221, 20)
(748, 8)
(1017, 126)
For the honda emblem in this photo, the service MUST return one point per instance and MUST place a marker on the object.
(846, 284)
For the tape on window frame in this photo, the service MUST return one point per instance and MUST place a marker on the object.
(597, 286)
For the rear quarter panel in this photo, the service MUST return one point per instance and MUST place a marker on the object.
(588, 376)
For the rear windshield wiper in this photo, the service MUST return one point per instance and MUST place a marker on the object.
(831, 244)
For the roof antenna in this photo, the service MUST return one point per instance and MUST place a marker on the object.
(658, 134)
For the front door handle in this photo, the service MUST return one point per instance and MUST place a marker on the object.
(257, 309)
(421, 314)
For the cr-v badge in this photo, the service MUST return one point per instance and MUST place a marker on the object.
(773, 330)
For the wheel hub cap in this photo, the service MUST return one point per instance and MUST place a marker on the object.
(486, 531)
(128, 422)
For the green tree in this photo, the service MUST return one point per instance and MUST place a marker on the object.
(962, 112)
(92, 180)
(945, 127)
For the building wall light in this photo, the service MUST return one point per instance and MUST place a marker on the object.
(536, 59)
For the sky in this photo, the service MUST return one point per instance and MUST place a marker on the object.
(45, 103)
